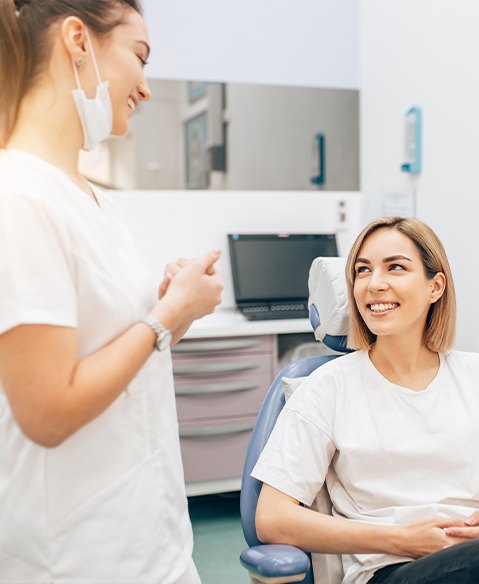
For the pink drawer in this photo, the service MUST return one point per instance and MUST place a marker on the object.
(217, 366)
(237, 395)
(216, 449)
(238, 345)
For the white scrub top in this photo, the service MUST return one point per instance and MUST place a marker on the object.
(108, 506)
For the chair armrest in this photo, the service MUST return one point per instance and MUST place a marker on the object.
(276, 563)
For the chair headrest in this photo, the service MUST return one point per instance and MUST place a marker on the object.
(328, 302)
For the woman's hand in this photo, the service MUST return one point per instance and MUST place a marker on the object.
(469, 530)
(195, 285)
(426, 537)
(172, 268)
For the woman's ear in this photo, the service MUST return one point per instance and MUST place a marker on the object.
(438, 285)
(73, 34)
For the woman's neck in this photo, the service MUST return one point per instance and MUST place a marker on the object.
(409, 364)
(51, 133)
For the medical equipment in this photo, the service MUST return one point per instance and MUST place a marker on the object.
(328, 308)
(270, 272)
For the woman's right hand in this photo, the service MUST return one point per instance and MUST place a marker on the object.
(194, 286)
(426, 537)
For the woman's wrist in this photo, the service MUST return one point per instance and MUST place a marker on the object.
(170, 314)
(395, 539)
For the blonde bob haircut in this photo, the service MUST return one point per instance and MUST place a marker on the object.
(440, 329)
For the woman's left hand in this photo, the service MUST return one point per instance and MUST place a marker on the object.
(470, 529)
(172, 269)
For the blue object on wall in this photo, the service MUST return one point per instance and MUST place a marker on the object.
(413, 141)
(319, 174)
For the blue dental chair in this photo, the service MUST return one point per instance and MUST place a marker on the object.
(281, 564)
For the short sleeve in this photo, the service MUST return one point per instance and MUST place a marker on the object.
(36, 265)
(296, 457)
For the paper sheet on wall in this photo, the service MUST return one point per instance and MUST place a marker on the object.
(382, 204)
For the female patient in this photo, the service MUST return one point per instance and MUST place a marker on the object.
(391, 428)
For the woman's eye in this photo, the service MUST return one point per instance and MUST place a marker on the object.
(396, 267)
(143, 61)
(361, 269)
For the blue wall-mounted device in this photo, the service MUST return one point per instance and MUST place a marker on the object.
(318, 166)
(413, 141)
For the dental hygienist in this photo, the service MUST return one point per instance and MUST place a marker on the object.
(91, 481)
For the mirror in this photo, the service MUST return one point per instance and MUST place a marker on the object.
(199, 135)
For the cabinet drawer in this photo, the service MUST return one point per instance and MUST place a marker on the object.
(215, 366)
(238, 395)
(215, 449)
(237, 345)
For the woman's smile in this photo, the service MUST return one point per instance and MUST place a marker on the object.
(381, 308)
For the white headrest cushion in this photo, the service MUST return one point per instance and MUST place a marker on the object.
(328, 292)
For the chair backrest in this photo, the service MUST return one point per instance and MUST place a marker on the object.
(268, 414)
(328, 302)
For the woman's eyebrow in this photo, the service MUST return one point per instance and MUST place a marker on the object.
(147, 47)
(392, 258)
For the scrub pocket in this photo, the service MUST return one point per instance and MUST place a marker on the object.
(119, 535)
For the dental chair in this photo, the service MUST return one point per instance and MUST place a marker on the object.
(328, 309)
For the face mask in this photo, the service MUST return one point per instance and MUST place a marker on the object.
(95, 114)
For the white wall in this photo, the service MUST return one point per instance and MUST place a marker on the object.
(284, 42)
(426, 53)
(172, 224)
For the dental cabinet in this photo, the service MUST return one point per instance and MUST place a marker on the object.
(223, 368)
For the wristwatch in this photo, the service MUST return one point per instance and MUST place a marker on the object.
(163, 335)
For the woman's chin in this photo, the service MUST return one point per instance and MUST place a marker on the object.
(120, 128)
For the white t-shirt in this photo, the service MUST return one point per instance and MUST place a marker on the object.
(389, 455)
(108, 505)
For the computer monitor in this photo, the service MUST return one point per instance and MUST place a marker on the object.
(270, 271)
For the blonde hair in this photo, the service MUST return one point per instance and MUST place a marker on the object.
(440, 329)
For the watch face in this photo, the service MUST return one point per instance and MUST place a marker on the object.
(164, 340)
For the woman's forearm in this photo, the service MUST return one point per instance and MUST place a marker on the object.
(99, 378)
(316, 532)
(52, 393)
(280, 519)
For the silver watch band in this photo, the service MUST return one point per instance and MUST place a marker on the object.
(163, 335)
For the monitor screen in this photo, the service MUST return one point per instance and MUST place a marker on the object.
(273, 267)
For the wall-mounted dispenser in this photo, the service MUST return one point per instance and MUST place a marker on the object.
(413, 141)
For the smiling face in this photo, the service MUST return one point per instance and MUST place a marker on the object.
(121, 60)
(391, 289)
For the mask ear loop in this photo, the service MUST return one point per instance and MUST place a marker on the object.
(90, 46)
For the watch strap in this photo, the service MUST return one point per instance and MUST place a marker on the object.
(163, 335)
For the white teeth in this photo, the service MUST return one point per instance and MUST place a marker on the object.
(131, 104)
(381, 307)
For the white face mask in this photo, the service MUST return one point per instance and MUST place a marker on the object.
(95, 114)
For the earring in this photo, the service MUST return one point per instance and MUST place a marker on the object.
(80, 63)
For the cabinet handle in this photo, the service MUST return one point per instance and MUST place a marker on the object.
(216, 430)
(217, 388)
(214, 368)
(228, 345)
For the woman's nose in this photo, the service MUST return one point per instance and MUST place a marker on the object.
(144, 91)
(377, 282)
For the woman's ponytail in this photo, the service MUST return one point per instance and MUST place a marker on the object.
(15, 66)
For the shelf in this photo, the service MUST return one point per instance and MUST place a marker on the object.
(231, 323)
